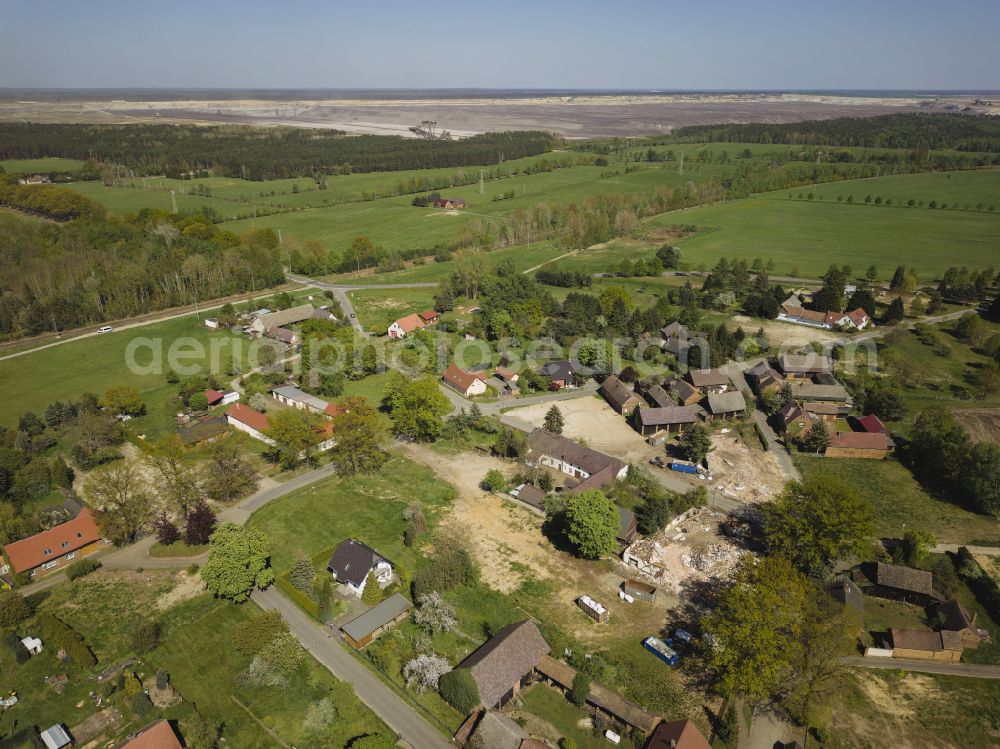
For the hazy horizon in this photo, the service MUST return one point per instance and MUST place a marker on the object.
(563, 46)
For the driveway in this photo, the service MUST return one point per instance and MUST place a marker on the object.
(412, 727)
(738, 374)
(973, 670)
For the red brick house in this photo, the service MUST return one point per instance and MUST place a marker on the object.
(55, 547)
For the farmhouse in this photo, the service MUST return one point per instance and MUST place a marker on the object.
(856, 319)
(804, 390)
(36, 179)
(284, 335)
(573, 459)
(672, 419)
(727, 405)
(762, 376)
(250, 421)
(49, 549)
(468, 384)
(658, 397)
(687, 394)
(619, 395)
(292, 396)
(405, 325)
(450, 203)
(263, 323)
(677, 734)
(560, 373)
(926, 645)
(353, 561)
(375, 621)
(870, 423)
(156, 735)
(503, 666)
(898, 583)
(822, 410)
(529, 494)
(803, 366)
(708, 380)
(509, 378)
(324, 313)
(954, 617)
(872, 445)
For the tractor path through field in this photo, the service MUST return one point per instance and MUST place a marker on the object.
(973, 670)
(983, 551)
(550, 260)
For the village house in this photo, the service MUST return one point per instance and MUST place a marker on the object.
(573, 459)
(296, 398)
(469, 384)
(40, 554)
(377, 620)
(35, 179)
(412, 322)
(620, 396)
(708, 381)
(806, 390)
(250, 421)
(822, 410)
(324, 313)
(803, 366)
(677, 734)
(156, 735)
(450, 203)
(503, 666)
(686, 393)
(672, 419)
(727, 405)
(926, 645)
(353, 561)
(495, 730)
(658, 397)
(560, 373)
(870, 423)
(897, 583)
(791, 311)
(762, 376)
(263, 323)
(954, 617)
(284, 335)
(528, 494)
(871, 445)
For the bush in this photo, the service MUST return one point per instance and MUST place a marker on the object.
(145, 637)
(253, 635)
(567, 743)
(162, 679)
(494, 481)
(60, 636)
(14, 609)
(451, 568)
(581, 689)
(459, 690)
(16, 647)
(82, 568)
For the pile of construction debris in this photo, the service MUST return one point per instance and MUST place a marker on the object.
(744, 474)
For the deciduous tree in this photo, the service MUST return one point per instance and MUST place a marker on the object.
(592, 523)
(239, 560)
(360, 434)
(121, 495)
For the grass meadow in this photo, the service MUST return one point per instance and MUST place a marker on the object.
(40, 166)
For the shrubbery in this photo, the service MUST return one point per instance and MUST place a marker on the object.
(459, 690)
(82, 568)
(58, 635)
(451, 568)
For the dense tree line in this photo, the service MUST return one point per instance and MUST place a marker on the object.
(258, 153)
(47, 200)
(95, 269)
(917, 131)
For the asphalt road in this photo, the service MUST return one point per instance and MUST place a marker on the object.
(974, 670)
(413, 728)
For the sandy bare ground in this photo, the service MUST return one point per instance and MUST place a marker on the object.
(507, 542)
(983, 424)
(185, 588)
(594, 422)
(784, 335)
(581, 116)
(742, 473)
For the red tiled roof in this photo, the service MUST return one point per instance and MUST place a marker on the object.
(872, 423)
(459, 378)
(213, 396)
(428, 315)
(860, 440)
(859, 317)
(410, 322)
(678, 734)
(158, 735)
(69, 536)
(248, 416)
(334, 410)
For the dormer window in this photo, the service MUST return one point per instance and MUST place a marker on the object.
(47, 552)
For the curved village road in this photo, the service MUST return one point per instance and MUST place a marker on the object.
(413, 728)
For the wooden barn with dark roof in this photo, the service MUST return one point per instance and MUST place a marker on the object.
(896, 582)
(619, 395)
(503, 666)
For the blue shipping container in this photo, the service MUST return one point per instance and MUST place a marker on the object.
(661, 650)
(683, 466)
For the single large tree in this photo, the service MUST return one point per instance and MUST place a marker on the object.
(359, 433)
(416, 407)
(296, 434)
(123, 499)
(177, 480)
(554, 420)
(228, 474)
(239, 560)
(591, 523)
(817, 521)
(695, 443)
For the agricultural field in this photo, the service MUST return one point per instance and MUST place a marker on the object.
(809, 235)
(40, 166)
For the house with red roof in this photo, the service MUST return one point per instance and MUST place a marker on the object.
(56, 547)
(677, 734)
(467, 383)
(157, 735)
(870, 423)
(406, 325)
(250, 421)
(872, 445)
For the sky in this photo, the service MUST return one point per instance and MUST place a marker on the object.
(713, 44)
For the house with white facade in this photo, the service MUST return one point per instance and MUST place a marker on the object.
(352, 562)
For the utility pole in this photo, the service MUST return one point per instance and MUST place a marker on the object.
(480, 181)
(279, 236)
(173, 200)
(681, 170)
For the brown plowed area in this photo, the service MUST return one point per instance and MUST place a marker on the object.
(982, 424)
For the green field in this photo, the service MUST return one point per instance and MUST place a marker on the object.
(40, 166)
(810, 235)
(900, 503)
(377, 308)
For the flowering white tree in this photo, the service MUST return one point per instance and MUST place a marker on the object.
(434, 615)
(424, 671)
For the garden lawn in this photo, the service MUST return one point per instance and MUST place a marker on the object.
(367, 508)
(552, 707)
(900, 502)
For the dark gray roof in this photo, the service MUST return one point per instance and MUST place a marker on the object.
(626, 524)
(531, 495)
(558, 370)
(616, 392)
(810, 391)
(497, 731)
(904, 578)
(804, 363)
(685, 389)
(724, 403)
(659, 397)
(654, 417)
(501, 662)
(707, 377)
(352, 561)
(954, 616)
(377, 616)
(542, 442)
